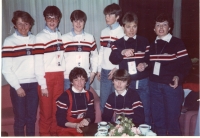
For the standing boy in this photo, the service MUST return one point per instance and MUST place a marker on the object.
(18, 70)
(80, 49)
(171, 64)
(131, 53)
(108, 35)
(49, 68)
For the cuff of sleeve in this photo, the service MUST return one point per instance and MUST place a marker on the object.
(43, 86)
(117, 66)
(17, 87)
(94, 71)
(99, 69)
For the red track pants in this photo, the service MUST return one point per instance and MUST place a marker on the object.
(55, 85)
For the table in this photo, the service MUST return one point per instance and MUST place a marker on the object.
(90, 130)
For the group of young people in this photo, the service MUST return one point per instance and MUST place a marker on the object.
(139, 80)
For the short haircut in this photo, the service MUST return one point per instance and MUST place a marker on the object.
(165, 17)
(129, 17)
(77, 72)
(113, 9)
(53, 11)
(122, 74)
(78, 15)
(25, 16)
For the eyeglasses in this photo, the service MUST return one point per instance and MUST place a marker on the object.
(52, 18)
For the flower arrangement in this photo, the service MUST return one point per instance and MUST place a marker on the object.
(124, 127)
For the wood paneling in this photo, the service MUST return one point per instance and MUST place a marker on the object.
(190, 26)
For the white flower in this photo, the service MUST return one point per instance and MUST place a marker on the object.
(124, 134)
(111, 133)
(129, 121)
(134, 130)
(120, 129)
(125, 119)
(138, 131)
(124, 125)
(117, 126)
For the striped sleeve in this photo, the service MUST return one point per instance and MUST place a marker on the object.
(137, 108)
(115, 56)
(7, 63)
(91, 102)
(39, 49)
(181, 53)
(108, 110)
(62, 107)
(94, 57)
(137, 104)
(90, 113)
(183, 61)
(108, 106)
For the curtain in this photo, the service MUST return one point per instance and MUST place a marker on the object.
(177, 18)
(93, 9)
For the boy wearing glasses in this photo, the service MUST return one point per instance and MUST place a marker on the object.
(49, 68)
(80, 49)
(170, 65)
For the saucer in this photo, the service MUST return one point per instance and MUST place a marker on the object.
(97, 134)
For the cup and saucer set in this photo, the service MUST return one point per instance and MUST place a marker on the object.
(146, 130)
(102, 129)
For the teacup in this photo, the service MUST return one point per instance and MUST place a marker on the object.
(103, 124)
(144, 128)
(102, 131)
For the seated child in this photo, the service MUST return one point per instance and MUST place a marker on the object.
(75, 107)
(123, 101)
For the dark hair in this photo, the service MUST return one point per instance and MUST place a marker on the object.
(78, 15)
(129, 17)
(113, 9)
(122, 74)
(25, 16)
(165, 17)
(53, 11)
(77, 72)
